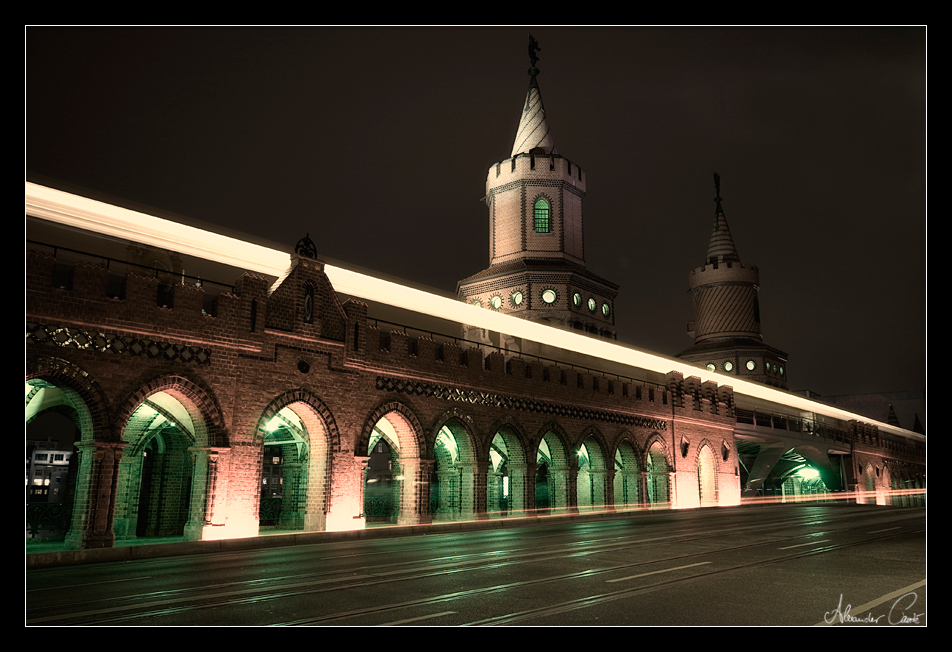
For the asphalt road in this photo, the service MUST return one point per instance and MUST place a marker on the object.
(804, 564)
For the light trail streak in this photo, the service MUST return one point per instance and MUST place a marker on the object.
(99, 217)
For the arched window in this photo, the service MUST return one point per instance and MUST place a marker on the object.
(541, 211)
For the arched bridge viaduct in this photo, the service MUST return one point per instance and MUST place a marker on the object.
(280, 405)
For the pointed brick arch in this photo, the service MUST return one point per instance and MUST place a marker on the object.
(509, 487)
(513, 434)
(627, 483)
(601, 452)
(658, 490)
(656, 438)
(85, 396)
(465, 431)
(406, 424)
(560, 436)
(306, 479)
(592, 482)
(705, 461)
(196, 399)
(318, 409)
(456, 486)
(201, 464)
(710, 447)
(411, 492)
(98, 455)
(555, 481)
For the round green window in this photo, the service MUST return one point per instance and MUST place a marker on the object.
(728, 366)
(751, 365)
(516, 298)
(606, 309)
(711, 366)
(549, 296)
(591, 304)
(496, 302)
(576, 299)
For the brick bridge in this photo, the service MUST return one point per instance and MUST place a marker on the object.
(276, 404)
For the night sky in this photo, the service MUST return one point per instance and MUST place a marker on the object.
(377, 142)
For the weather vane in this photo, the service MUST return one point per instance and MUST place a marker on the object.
(533, 48)
(533, 58)
(717, 197)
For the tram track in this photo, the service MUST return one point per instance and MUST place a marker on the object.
(155, 605)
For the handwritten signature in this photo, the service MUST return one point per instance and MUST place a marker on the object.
(896, 616)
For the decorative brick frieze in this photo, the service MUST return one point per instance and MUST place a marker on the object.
(76, 338)
(433, 390)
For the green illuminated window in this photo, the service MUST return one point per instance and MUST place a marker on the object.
(576, 299)
(591, 304)
(496, 302)
(549, 296)
(728, 366)
(606, 309)
(516, 298)
(711, 366)
(541, 211)
(751, 365)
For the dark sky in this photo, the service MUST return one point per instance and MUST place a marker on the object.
(377, 142)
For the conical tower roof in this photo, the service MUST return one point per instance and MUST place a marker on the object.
(533, 132)
(721, 247)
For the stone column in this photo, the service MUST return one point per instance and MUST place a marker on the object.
(95, 500)
(415, 491)
(480, 484)
(345, 500)
(208, 509)
(293, 504)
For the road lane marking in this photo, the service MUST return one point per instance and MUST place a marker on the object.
(666, 570)
(800, 545)
(413, 620)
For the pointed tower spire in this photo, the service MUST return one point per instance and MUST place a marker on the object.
(726, 327)
(721, 248)
(533, 132)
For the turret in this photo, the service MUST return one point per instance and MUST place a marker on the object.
(726, 327)
(536, 240)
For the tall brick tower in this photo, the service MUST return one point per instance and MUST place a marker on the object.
(726, 326)
(536, 244)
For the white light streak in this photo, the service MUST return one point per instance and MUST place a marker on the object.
(106, 219)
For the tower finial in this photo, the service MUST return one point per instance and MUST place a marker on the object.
(533, 133)
(721, 247)
(533, 58)
(717, 195)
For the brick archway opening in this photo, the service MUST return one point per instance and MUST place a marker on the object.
(627, 479)
(294, 470)
(155, 495)
(53, 431)
(706, 477)
(658, 474)
(552, 475)
(590, 482)
(506, 481)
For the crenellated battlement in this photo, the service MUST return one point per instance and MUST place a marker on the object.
(524, 168)
(421, 366)
(722, 272)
